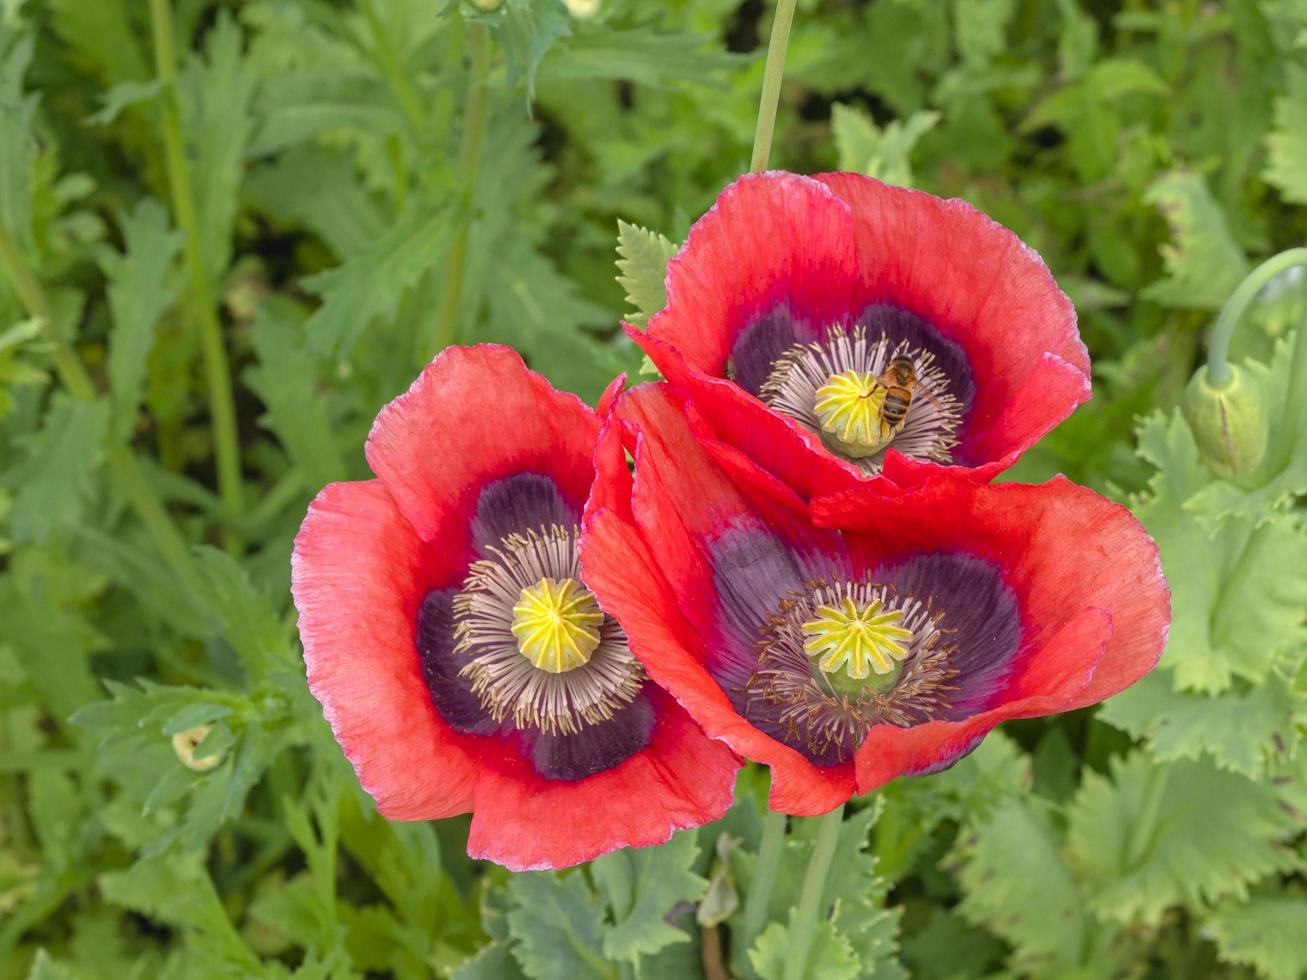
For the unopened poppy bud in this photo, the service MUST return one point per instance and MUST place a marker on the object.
(582, 8)
(1228, 422)
(185, 744)
(487, 5)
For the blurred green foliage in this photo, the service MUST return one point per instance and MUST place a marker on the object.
(338, 198)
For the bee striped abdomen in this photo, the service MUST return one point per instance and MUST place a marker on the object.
(895, 407)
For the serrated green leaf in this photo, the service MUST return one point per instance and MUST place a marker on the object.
(642, 257)
(17, 143)
(140, 288)
(864, 147)
(980, 28)
(557, 927)
(1236, 606)
(286, 380)
(528, 30)
(493, 962)
(249, 622)
(1184, 833)
(639, 55)
(830, 955)
(661, 877)
(100, 38)
(216, 95)
(1265, 933)
(1286, 167)
(123, 96)
(57, 476)
(1016, 884)
(45, 968)
(1203, 262)
(371, 283)
(1238, 730)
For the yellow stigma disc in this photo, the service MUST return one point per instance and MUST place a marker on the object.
(848, 405)
(856, 638)
(556, 624)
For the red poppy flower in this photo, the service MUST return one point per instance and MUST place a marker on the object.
(842, 327)
(459, 657)
(859, 637)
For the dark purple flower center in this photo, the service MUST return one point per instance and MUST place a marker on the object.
(816, 656)
(521, 651)
(886, 379)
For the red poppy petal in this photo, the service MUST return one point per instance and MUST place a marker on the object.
(770, 239)
(1062, 549)
(356, 576)
(681, 779)
(679, 499)
(475, 414)
(980, 286)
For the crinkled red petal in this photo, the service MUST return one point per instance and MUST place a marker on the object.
(475, 414)
(643, 553)
(358, 574)
(680, 779)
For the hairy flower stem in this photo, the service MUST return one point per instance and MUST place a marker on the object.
(764, 878)
(771, 84)
(203, 298)
(75, 378)
(810, 903)
(475, 113)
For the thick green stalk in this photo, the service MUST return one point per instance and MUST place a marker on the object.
(475, 113)
(771, 84)
(1295, 402)
(1218, 344)
(810, 904)
(203, 299)
(758, 900)
(75, 378)
(388, 62)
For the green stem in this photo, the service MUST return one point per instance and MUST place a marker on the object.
(1145, 826)
(222, 406)
(758, 900)
(771, 83)
(1295, 402)
(810, 903)
(475, 113)
(1218, 345)
(77, 380)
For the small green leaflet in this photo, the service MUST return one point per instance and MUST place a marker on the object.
(642, 257)
(57, 477)
(660, 878)
(863, 147)
(529, 28)
(1203, 262)
(1287, 143)
(830, 957)
(1265, 933)
(141, 287)
(371, 283)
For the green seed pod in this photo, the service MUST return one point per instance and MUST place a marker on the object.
(1228, 423)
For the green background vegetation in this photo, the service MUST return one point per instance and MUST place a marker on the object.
(228, 241)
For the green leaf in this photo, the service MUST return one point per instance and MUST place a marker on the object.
(557, 927)
(528, 30)
(286, 379)
(1016, 883)
(123, 96)
(1183, 833)
(371, 283)
(1203, 262)
(830, 955)
(492, 962)
(1238, 730)
(661, 878)
(140, 287)
(639, 55)
(642, 257)
(248, 620)
(216, 95)
(864, 147)
(1265, 933)
(981, 28)
(100, 38)
(57, 476)
(1287, 143)
(17, 144)
(1236, 603)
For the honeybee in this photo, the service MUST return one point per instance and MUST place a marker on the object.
(899, 379)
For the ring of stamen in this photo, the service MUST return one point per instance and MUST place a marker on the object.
(832, 373)
(504, 624)
(828, 711)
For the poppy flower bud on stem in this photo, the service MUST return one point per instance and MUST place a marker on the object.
(185, 743)
(1228, 422)
(1223, 409)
